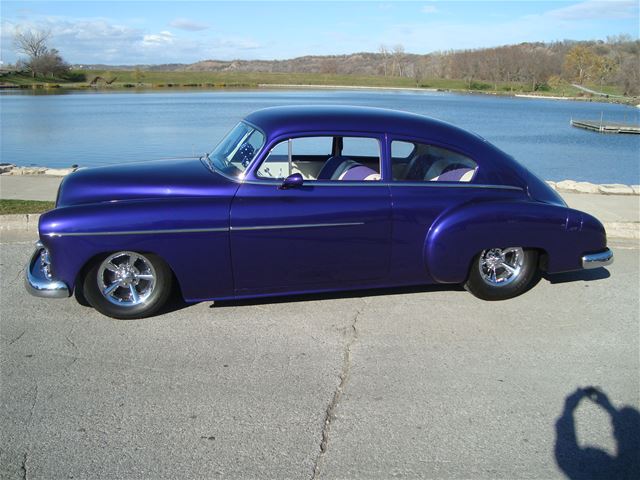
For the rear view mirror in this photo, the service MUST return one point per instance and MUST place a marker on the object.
(292, 181)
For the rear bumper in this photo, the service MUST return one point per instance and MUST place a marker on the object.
(599, 259)
(36, 280)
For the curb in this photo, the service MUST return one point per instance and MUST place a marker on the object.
(24, 221)
(29, 223)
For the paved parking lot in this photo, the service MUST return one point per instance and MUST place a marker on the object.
(406, 384)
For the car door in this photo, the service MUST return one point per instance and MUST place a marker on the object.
(322, 234)
(426, 181)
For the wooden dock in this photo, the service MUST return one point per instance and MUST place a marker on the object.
(605, 127)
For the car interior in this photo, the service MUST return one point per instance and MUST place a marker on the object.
(358, 159)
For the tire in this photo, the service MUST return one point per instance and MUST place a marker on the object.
(502, 273)
(128, 285)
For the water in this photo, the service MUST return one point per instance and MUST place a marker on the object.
(98, 128)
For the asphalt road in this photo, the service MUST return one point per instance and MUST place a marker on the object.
(419, 383)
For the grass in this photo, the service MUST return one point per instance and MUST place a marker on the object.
(12, 207)
(130, 79)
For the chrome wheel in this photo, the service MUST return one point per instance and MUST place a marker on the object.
(499, 267)
(126, 279)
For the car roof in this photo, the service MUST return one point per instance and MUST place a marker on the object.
(277, 121)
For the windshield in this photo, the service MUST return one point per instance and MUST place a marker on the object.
(234, 153)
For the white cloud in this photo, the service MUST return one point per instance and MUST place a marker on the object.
(187, 24)
(596, 10)
(429, 9)
(159, 39)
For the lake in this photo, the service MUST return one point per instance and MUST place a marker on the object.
(99, 128)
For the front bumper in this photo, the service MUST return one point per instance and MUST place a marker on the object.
(596, 260)
(36, 280)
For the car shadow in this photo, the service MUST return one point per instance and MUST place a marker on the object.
(577, 276)
(307, 297)
(588, 462)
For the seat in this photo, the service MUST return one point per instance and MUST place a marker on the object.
(463, 174)
(359, 172)
(334, 167)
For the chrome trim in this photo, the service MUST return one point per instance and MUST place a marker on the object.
(138, 232)
(378, 183)
(302, 225)
(36, 282)
(596, 260)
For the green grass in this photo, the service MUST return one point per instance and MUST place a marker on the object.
(129, 79)
(11, 207)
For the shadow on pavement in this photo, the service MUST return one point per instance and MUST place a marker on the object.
(337, 295)
(579, 463)
(580, 275)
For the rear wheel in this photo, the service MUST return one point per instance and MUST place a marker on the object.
(128, 285)
(502, 273)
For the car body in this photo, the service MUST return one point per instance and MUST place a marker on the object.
(309, 199)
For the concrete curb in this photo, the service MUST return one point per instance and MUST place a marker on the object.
(23, 221)
(29, 222)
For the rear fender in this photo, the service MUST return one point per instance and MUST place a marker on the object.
(458, 235)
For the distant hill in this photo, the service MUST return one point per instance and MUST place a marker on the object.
(612, 62)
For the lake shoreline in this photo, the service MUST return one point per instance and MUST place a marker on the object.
(53, 88)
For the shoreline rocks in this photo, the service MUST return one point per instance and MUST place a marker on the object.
(570, 186)
(10, 169)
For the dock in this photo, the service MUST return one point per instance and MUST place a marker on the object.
(606, 127)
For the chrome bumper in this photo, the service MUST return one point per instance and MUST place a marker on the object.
(596, 260)
(36, 281)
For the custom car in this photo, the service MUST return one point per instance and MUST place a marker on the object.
(306, 199)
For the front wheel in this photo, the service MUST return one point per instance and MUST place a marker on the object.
(502, 273)
(128, 285)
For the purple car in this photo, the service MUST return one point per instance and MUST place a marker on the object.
(310, 199)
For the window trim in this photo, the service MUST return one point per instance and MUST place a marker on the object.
(437, 144)
(251, 171)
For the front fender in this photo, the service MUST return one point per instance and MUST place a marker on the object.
(190, 234)
(562, 233)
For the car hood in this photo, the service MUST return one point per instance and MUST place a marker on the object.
(144, 180)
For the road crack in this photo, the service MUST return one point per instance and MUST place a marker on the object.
(330, 415)
(23, 467)
(11, 342)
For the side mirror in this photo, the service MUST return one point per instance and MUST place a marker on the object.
(292, 181)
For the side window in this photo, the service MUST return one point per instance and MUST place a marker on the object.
(419, 162)
(324, 158)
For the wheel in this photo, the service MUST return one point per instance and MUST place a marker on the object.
(501, 273)
(128, 285)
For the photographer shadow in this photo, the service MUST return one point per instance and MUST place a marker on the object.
(579, 463)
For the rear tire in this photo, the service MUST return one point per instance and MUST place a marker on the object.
(128, 285)
(502, 273)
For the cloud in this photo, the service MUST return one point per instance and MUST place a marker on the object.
(429, 9)
(189, 25)
(596, 10)
(159, 39)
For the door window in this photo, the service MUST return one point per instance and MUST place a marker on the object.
(324, 158)
(419, 162)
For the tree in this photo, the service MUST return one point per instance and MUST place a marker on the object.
(32, 43)
(384, 51)
(398, 59)
(578, 63)
(42, 60)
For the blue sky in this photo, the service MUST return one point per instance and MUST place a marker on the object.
(145, 32)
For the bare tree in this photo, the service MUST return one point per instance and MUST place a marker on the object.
(398, 59)
(384, 51)
(32, 43)
(42, 60)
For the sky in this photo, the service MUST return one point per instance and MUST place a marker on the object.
(153, 32)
